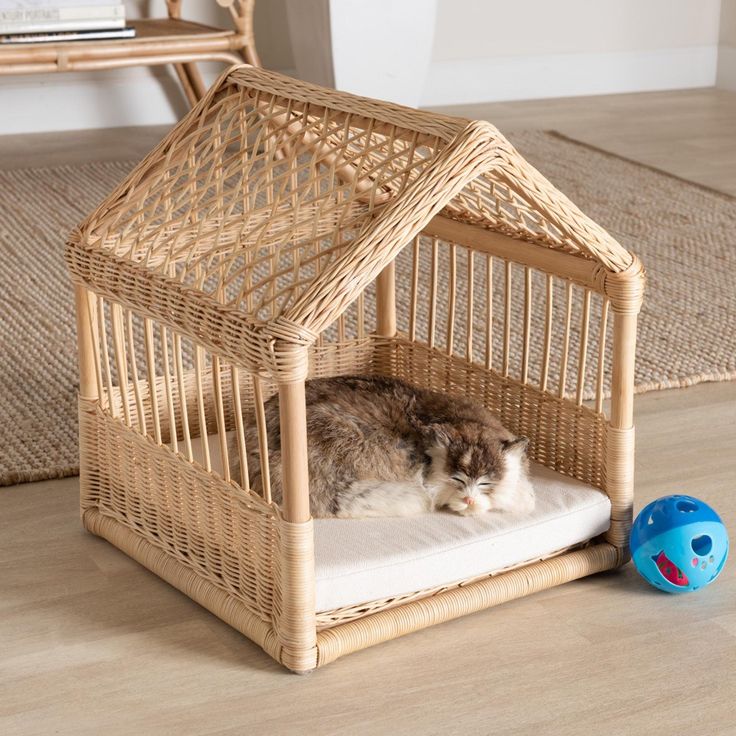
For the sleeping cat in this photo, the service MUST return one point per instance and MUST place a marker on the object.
(381, 447)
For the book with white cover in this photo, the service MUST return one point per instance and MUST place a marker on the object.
(64, 36)
(61, 25)
(32, 4)
(45, 18)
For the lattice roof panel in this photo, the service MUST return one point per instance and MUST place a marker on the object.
(281, 201)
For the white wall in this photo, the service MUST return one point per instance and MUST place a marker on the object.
(483, 50)
(726, 77)
(500, 50)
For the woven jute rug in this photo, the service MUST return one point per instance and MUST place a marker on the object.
(685, 235)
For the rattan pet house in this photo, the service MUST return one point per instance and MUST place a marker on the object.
(283, 231)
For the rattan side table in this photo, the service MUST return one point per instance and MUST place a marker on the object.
(158, 41)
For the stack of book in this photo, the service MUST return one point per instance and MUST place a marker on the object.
(44, 21)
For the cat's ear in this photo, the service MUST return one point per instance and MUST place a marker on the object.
(517, 446)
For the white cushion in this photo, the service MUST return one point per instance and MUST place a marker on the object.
(362, 560)
(368, 559)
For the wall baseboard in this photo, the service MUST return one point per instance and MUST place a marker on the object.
(726, 76)
(469, 81)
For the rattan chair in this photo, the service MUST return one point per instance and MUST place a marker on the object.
(283, 231)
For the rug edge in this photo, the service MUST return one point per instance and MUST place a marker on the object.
(21, 477)
(591, 146)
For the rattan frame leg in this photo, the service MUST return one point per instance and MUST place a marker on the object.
(297, 624)
(191, 82)
(189, 75)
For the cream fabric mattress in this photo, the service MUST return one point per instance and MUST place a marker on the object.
(362, 560)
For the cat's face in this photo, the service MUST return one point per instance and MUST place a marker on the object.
(472, 468)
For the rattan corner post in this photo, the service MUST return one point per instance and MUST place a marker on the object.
(283, 231)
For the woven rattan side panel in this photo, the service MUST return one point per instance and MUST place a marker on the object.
(225, 536)
(157, 454)
(563, 436)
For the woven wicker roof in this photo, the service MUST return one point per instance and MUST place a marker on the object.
(282, 201)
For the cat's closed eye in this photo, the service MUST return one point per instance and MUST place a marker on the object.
(459, 479)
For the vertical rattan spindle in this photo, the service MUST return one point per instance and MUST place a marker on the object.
(86, 343)
(88, 394)
(385, 317)
(386, 301)
(292, 409)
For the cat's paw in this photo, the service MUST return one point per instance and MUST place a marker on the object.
(520, 502)
(459, 505)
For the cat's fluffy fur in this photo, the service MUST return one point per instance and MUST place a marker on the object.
(381, 447)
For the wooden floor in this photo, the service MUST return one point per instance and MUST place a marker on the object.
(691, 133)
(91, 643)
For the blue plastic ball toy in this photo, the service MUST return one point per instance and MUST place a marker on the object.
(679, 544)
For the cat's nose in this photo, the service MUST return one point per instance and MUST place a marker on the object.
(469, 500)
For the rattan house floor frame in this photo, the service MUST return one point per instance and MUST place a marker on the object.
(282, 231)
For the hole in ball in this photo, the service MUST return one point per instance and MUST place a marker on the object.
(686, 507)
(702, 544)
